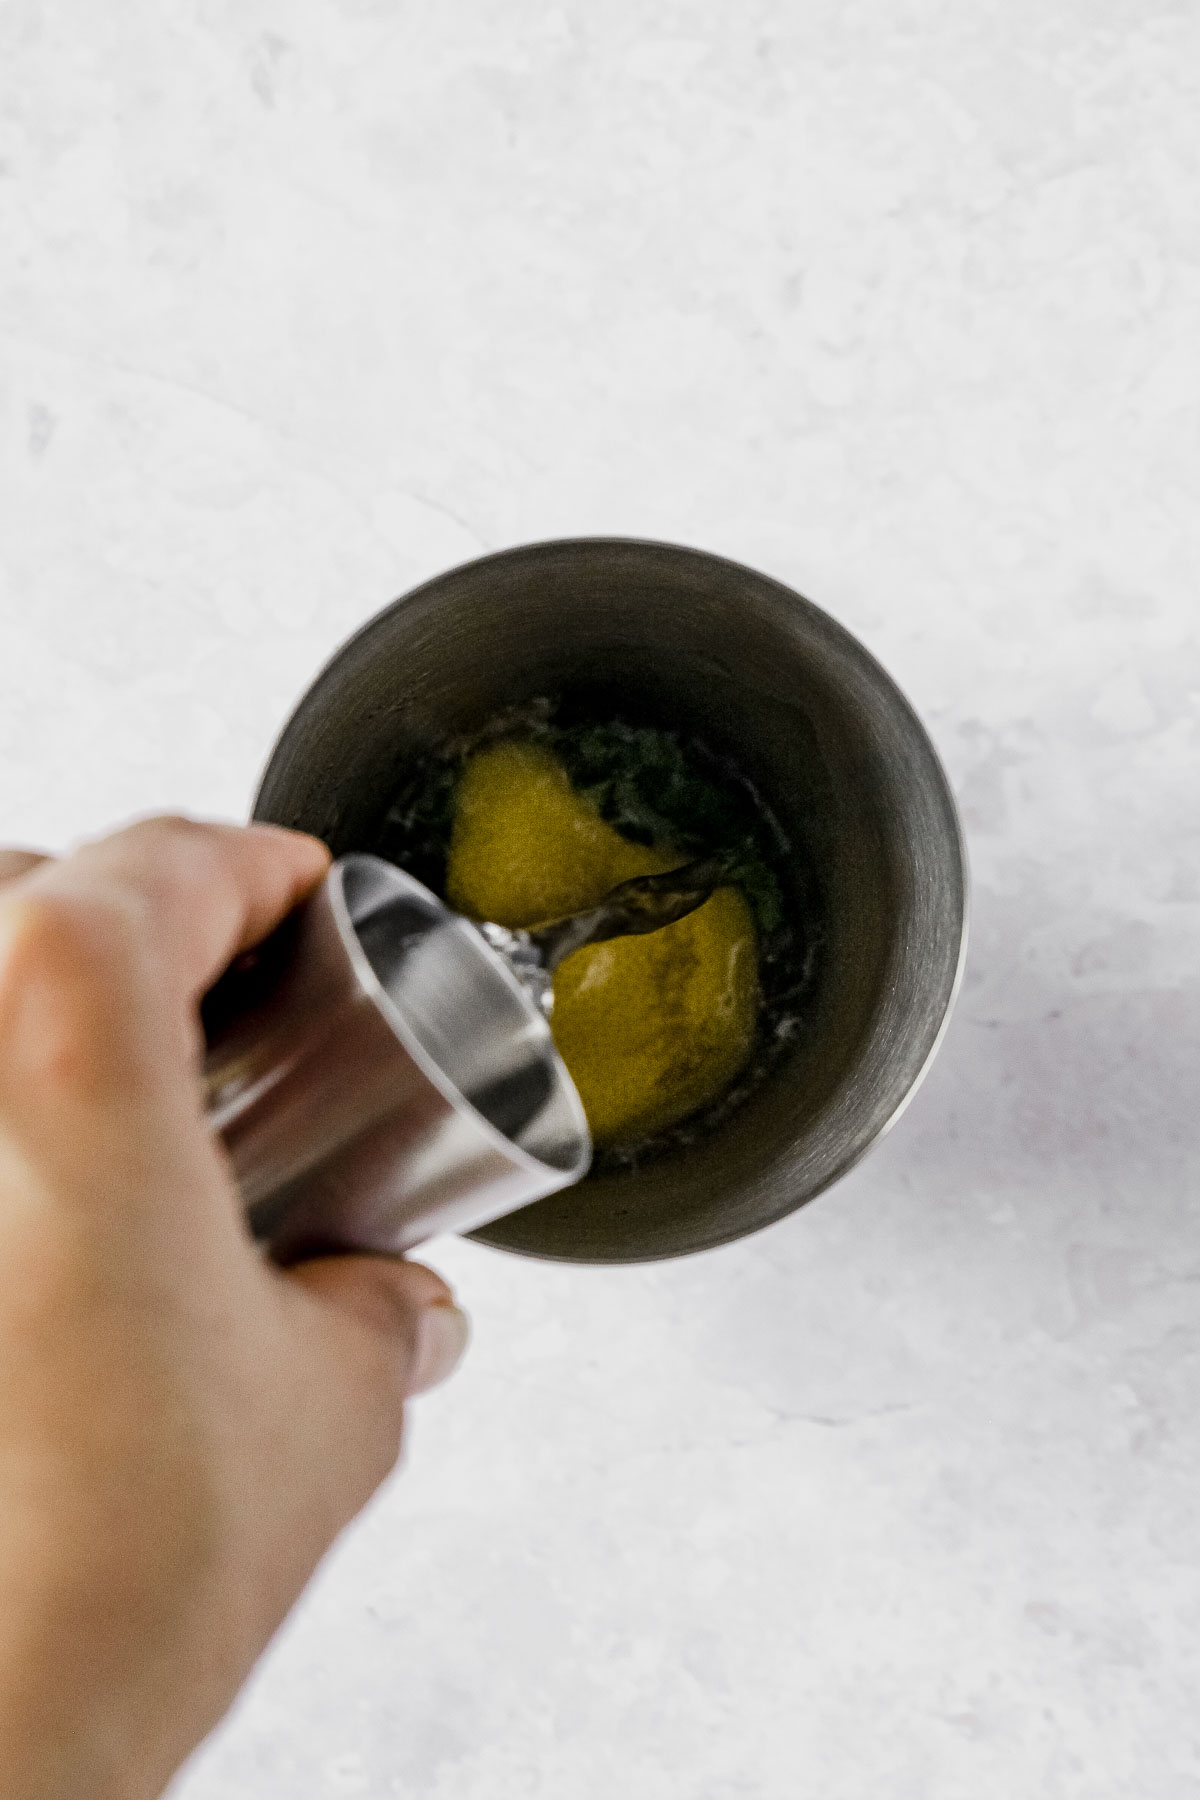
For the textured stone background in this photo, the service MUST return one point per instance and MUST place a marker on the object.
(302, 303)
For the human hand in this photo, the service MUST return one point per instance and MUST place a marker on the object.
(184, 1428)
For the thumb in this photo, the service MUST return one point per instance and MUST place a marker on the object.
(367, 1332)
(403, 1305)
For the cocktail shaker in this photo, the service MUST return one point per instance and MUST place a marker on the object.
(676, 638)
(377, 1074)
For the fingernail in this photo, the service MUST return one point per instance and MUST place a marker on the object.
(442, 1336)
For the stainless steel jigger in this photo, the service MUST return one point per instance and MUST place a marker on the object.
(378, 1075)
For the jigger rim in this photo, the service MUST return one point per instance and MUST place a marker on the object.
(466, 934)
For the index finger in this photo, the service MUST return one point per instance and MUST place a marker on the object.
(205, 890)
(15, 863)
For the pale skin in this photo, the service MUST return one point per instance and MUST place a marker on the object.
(184, 1428)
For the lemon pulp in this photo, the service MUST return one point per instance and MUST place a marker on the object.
(651, 1028)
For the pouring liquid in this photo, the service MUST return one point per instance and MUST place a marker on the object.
(651, 1028)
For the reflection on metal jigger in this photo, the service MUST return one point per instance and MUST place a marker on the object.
(378, 1074)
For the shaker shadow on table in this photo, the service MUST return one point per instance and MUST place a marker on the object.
(695, 643)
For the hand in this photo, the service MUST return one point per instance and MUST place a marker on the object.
(184, 1428)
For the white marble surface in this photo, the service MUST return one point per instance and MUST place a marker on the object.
(901, 302)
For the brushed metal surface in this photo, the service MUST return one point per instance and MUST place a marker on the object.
(377, 1075)
(698, 642)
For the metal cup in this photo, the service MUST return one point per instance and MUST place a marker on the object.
(378, 1075)
(673, 636)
